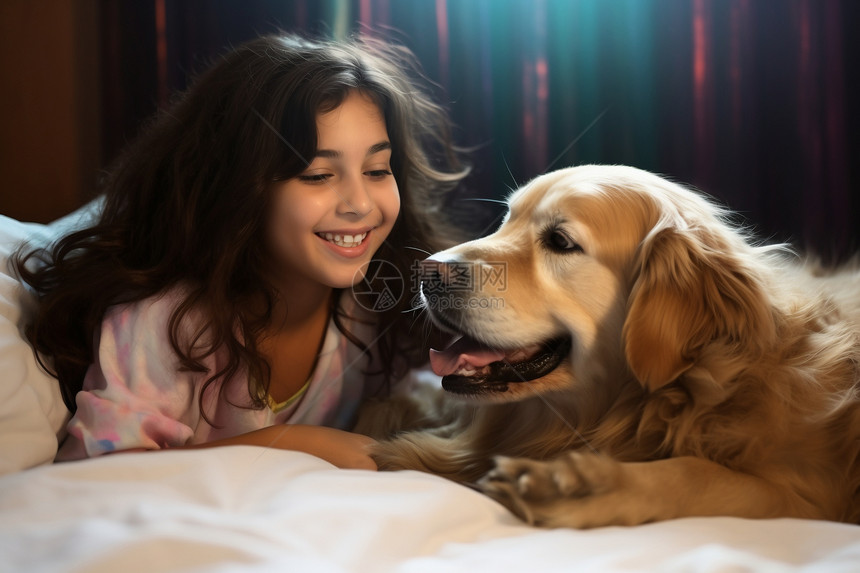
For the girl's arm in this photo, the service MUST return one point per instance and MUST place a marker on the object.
(344, 449)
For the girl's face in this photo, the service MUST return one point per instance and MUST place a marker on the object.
(327, 222)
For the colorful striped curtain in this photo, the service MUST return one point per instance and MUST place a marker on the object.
(749, 100)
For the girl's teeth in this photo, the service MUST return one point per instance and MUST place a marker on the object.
(345, 240)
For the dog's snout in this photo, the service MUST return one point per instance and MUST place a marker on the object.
(431, 280)
(437, 275)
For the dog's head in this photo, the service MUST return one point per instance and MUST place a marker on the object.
(596, 273)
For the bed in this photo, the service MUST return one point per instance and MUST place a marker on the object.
(245, 508)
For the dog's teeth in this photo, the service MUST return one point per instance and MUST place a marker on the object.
(469, 372)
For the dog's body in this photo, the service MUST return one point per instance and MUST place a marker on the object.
(663, 366)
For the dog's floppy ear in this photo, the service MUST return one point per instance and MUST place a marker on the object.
(691, 289)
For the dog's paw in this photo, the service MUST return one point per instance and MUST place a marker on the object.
(535, 491)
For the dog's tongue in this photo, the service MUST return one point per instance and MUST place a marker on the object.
(465, 353)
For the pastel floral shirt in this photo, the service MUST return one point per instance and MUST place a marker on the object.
(136, 396)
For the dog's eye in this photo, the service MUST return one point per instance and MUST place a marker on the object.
(558, 241)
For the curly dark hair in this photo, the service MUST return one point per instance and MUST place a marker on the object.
(187, 201)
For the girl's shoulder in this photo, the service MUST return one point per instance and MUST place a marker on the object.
(154, 312)
(167, 299)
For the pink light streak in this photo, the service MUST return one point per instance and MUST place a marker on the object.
(365, 13)
(442, 33)
(703, 152)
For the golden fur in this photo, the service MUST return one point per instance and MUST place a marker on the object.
(708, 375)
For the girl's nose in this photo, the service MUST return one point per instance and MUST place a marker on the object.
(354, 198)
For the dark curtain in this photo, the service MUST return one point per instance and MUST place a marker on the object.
(751, 101)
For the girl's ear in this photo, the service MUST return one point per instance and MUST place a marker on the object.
(692, 288)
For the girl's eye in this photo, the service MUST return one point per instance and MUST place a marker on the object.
(315, 178)
(378, 173)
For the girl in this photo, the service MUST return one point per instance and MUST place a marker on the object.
(210, 303)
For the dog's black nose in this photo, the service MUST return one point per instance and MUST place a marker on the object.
(432, 276)
(441, 276)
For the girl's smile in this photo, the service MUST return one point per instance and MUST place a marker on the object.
(346, 243)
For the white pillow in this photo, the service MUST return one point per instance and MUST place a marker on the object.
(32, 413)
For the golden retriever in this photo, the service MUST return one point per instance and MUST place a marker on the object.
(630, 355)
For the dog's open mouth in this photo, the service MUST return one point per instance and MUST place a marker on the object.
(470, 367)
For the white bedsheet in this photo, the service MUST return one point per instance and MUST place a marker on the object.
(255, 509)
